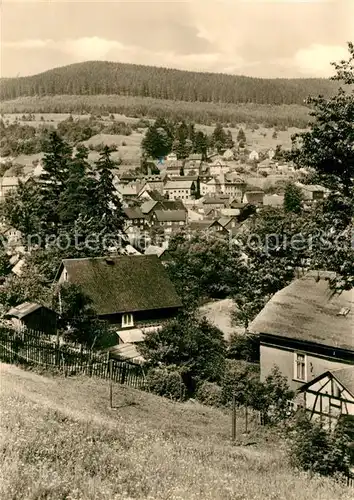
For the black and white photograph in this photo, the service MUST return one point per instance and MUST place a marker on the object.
(177, 249)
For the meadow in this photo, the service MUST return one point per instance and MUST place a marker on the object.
(258, 137)
(60, 440)
(206, 113)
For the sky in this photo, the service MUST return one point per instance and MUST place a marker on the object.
(261, 38)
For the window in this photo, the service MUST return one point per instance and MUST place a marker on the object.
(127, 320)
(300, 367)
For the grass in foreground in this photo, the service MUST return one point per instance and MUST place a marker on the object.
(60, 441)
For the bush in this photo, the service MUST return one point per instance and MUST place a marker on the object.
(318, 450)
(244, 347)
(166, 381)
(239, 379)
(209, 394)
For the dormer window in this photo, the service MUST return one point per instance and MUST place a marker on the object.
(127, 320)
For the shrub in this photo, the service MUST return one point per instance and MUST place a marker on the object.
(209, 393)
(192, 344)
(239, 379)
(316, 449)
(273, 397)
(244, 347)
(166, 381)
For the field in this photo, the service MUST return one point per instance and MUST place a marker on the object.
(199, 112)
(259, 138)
(59, 440)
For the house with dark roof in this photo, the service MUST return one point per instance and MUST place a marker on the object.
(329, 396)
(127, 291)
(207, 226)
(135, 222)
(33, 316)
(306, 329)
(168, 222)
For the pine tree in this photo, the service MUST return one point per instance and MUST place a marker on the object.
(293, 198)
(56, 166)
(241, 136)
(229, 142)
(109, 208)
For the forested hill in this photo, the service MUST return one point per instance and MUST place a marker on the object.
(93, 78)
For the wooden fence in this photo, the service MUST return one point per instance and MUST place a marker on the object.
(35, 350)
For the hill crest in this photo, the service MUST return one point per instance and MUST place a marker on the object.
(103, 77)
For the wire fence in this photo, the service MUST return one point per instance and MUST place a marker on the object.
(31, 348)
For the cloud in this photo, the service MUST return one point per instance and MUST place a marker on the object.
(27, 44)
(316, 59)
(90, 48)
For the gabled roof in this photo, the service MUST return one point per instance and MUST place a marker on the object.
(307, 310)
(345, 376)
(123, 283)
(23, 310)
(179, 184)
(170, 215)
(201, 225)
(154, 250)
(273, 200)
(224, 221)
(221, 199)
(133, 213)
(173, 205)
(148, 206)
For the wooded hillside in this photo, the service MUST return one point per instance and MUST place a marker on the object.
(98, 77)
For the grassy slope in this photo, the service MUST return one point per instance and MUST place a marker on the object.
(59, 441)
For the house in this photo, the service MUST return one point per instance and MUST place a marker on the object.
(9, 184)
(162, 253)
(273, 200)
(253, 196)
(253, 156)
(150, 207)
(33, 316)
(218, 167)
(11, 237)
(210, 186)
(306, 330)
(181, 188)
(215, 202)
(329, 396)
(194, 216)
(233, 185)
(209, 226)
(174, 167)
(193, 164)
(147, 194)
(127, 291)
(228, 223)
(168, 221)
(136, 222)
(312, 192)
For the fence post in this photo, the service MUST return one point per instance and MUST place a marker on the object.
(246, 418)
(110, 385)
(233, 421)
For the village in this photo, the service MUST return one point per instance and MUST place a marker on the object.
(176, 286)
